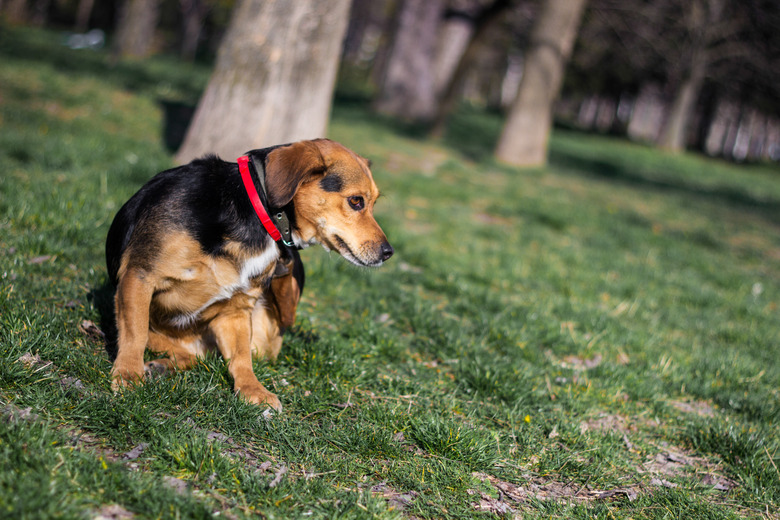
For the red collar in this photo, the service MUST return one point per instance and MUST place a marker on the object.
(254, 198)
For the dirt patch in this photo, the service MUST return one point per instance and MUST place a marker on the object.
(511, 496)
(669, 467)
(674, 462)
(395, 499)
(608, 423)
(577, 362)
(112, 512)
(34, 363)
(701, 408)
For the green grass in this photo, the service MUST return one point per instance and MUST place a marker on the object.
(595, 339)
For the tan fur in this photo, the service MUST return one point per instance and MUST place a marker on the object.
(182, 303)
(323, 216)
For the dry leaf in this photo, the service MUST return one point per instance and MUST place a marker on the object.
(135, 452)
(41, 259)
(112, 512)
(89, 328)
(278, 476)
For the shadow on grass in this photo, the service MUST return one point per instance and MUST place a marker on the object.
(350, 104)
(48, 48)
(731, 196)
(474, 133)
(102, 298)
(176, 121)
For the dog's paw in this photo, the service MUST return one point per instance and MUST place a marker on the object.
(123, 380)
(155, 368)
(257, 394)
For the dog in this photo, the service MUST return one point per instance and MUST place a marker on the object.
(197, 268)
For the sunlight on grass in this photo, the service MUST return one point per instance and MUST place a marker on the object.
(593, 339)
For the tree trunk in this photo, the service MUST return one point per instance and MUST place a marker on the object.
(674, 135)
(359, 21)
(525, 135)
(83, 14)
(16, 11)
(40, 13)
(451, 87)
(388, 30)
(647, 115)
(193, 13)
(703, 17)
(454, 36)
(273, 80)
(407, 89)
(136, 28)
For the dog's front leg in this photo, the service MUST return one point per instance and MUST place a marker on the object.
(232, 330)
(133, 298)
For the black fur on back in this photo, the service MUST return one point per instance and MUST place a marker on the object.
(206, 198)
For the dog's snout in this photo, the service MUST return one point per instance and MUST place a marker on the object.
(386, 251)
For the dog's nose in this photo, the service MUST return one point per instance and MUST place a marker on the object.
(387, 251)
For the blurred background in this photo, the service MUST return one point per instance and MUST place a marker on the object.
(701, 75)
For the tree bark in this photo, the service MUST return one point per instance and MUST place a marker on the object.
(16, 11)
(83, 14)
(674, 135)
(273, 80)
(482, 24)
(703, 18)
(407, 88)
(40, 13)
(360, 20)
(136, 28)
(193, 13)
(454, 36)
(525, 135)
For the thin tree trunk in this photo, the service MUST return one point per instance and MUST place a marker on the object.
(273, 80)
(704, 18)
(674, 135)
(83, 14)
(407, 89)
(524, 139)
(454, 35)
(193, 13)
(360, 20)
(485, 20)
(647, 114)
(389, 30)
(136, 29)
(40, 12)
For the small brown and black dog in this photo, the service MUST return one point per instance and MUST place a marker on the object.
(196, 271)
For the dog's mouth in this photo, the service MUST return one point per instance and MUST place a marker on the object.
(344, 250)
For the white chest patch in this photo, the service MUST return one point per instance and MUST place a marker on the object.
(257, 264)
(251, 268)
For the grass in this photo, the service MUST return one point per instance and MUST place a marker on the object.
(595, 339)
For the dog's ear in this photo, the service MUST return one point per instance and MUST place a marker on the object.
(287, 167)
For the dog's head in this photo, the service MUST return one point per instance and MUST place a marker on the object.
(333, 193)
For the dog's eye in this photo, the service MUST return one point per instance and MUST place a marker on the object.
(356, 202)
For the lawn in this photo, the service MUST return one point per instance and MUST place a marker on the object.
(594, 339)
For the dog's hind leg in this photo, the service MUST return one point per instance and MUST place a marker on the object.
(181, 353)
(133, 298)
(266, 335)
